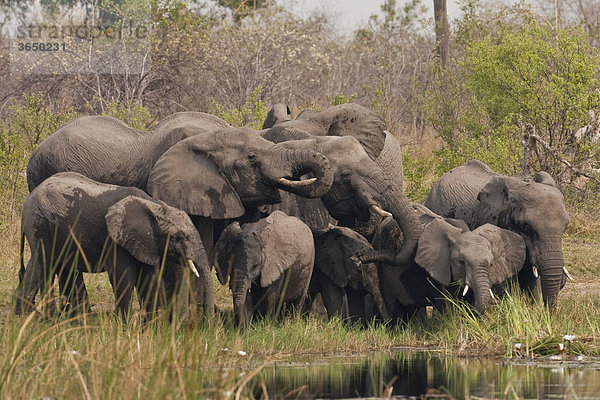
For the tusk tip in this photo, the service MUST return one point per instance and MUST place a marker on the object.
(466, 289)
(193, 268)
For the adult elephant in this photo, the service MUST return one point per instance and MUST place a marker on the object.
(107, 150)
(360, 190)
(348, 119)
(448, 254)
(268, 263)
(533, 208)
(74, 224)
(222, 175)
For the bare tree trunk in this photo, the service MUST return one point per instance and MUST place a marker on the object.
(442, 30)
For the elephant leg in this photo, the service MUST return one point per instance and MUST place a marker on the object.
(123, 279)
(333, 297)
(356, 304)
(73, 290)
(30, 284)
(150, 295)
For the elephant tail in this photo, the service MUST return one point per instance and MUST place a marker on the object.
(21, 259)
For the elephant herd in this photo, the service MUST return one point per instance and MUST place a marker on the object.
(303, 207)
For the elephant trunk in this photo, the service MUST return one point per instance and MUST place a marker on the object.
(240, 287)
(201, 279)
(395, 202)
(549, 259)
(481, 288)
(289, 165)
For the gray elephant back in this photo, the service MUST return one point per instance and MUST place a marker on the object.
(195, 119)
(454, 194)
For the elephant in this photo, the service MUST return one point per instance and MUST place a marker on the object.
(533, 208)
(74, 224)
(277, 114)
(268, 263)
(448, 254)
(107, 150)
(348, 119)
(338, 275)
(360, 192)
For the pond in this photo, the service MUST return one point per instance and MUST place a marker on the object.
(428, 375)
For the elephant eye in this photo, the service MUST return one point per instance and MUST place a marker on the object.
(252, 157)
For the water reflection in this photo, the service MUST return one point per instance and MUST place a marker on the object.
(425, 375)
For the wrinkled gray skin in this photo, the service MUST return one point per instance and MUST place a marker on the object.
(220, 176)
(533, 208)
(279, 113)
(338, 274)
(268, 264)
(359, 189)
(450, 254)
(345, 120)
(107, 150)
(101, 227)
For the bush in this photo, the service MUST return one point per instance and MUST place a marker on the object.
(533, 75)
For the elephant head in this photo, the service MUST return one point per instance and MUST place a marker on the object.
(257, 256)
(348, 119)
(480, 258)
(165, 239)
(360, 189)
(276, 115)
(335, 257)
(536, 210)
(217, 174)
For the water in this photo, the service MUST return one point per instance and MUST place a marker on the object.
(412, 374)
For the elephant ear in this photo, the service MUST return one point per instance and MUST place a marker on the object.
(545, 178)
(508, 250)
(334, 248)
(433, 249)
(283, 240)
(131, 223)
(493, 202)
(366, 126)
(185, 177)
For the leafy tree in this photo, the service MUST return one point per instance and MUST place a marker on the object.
(532, 76)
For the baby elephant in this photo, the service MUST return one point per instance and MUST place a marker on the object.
(74, 225)
(270, 263)
(448, 252)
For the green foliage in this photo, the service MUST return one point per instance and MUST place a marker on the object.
(252, 113)
(343, 99)
(419, 175)
(29, 121)
(535, 75)
(132, 113)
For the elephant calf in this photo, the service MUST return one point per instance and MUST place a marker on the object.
(447, 252)
(338, 274)
(74, 224)
(270, 263)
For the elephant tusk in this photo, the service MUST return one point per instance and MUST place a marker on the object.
(535, 272)
(492, 294)
(193, 268)
(465, 290)
(296, 184)
(568, 274)
(377, 210)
